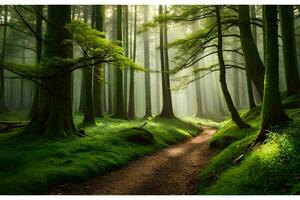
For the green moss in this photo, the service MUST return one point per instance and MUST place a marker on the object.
(30, 164)
(271, 168)
(229, 132)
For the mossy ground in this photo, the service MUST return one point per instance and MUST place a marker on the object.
(31, 164)
(271, 168)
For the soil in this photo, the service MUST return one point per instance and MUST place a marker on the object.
(174, 170)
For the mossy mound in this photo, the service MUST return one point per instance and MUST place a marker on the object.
(138, 136)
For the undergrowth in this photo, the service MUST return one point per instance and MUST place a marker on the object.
(31, 164)
(271, 168)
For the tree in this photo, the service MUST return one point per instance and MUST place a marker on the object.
(54, 116)
(89, 115)
(272, 111)
(234, 114)
(131, 101)
(3, 107)
(254, 65)
(120, 108)
(83, 87)
(87, 78)
(148, 112)
(286, 13)
(236, 78)
(199, 112)
(167, 108)
(126, 48)
(39, 49)
(98, 69)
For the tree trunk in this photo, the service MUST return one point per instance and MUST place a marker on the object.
(98, 69)
(54, 117)
(236, 78)
(148, 112)
(234, 114)
(3, 107)
(289, 49)
(254, 65)
(89, 116)
(199, 112)
(167, 108)
(22, 81)
(82, 103)
(157, 78)
(39, 48)
(126, 48)
(120, 109)
(272, 111)
(131, 102)
(89, 109)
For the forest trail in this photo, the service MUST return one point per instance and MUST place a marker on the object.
(173, 170)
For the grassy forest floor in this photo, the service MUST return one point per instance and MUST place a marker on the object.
(31, 164)
(271, 168)
(173, 170)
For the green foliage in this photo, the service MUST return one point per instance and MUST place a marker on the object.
(96, 47)
(30, 164)
(271, 168)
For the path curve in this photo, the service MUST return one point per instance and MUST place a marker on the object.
(174, 170)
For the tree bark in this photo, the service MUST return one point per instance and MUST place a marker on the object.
(234, 114)
(54, 117)
(254, 65)
(39, 49)
(82, 103)
(199, 112)
(148, 112)
(289, 49)
(98, 69)
(131, 101)
(120, 108)
(167, 108)
(126, 48)
(272, 111)
(3, 107)
(89, 116)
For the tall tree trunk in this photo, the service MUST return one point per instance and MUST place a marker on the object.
(254, 34)
(39, 48)
(289, 49)
(264, 37)
(244, 19)
(236, 78)
(89, 112)
(272, 111)
(254, 65)
(55, 112)
(157, 78)
(3, 107)
(131, 102)
(98, 69)
(167, 108)
(148, 112)
(22, 80)
(234, 114)
(82, 103)
(199, 112)
(111, 68)
(126, 47)
(89, 116)
(120, 109)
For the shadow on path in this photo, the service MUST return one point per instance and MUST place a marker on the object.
(173, 170)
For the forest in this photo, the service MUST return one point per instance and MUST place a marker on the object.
(149, 99)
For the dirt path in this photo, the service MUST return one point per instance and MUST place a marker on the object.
(173, 170)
